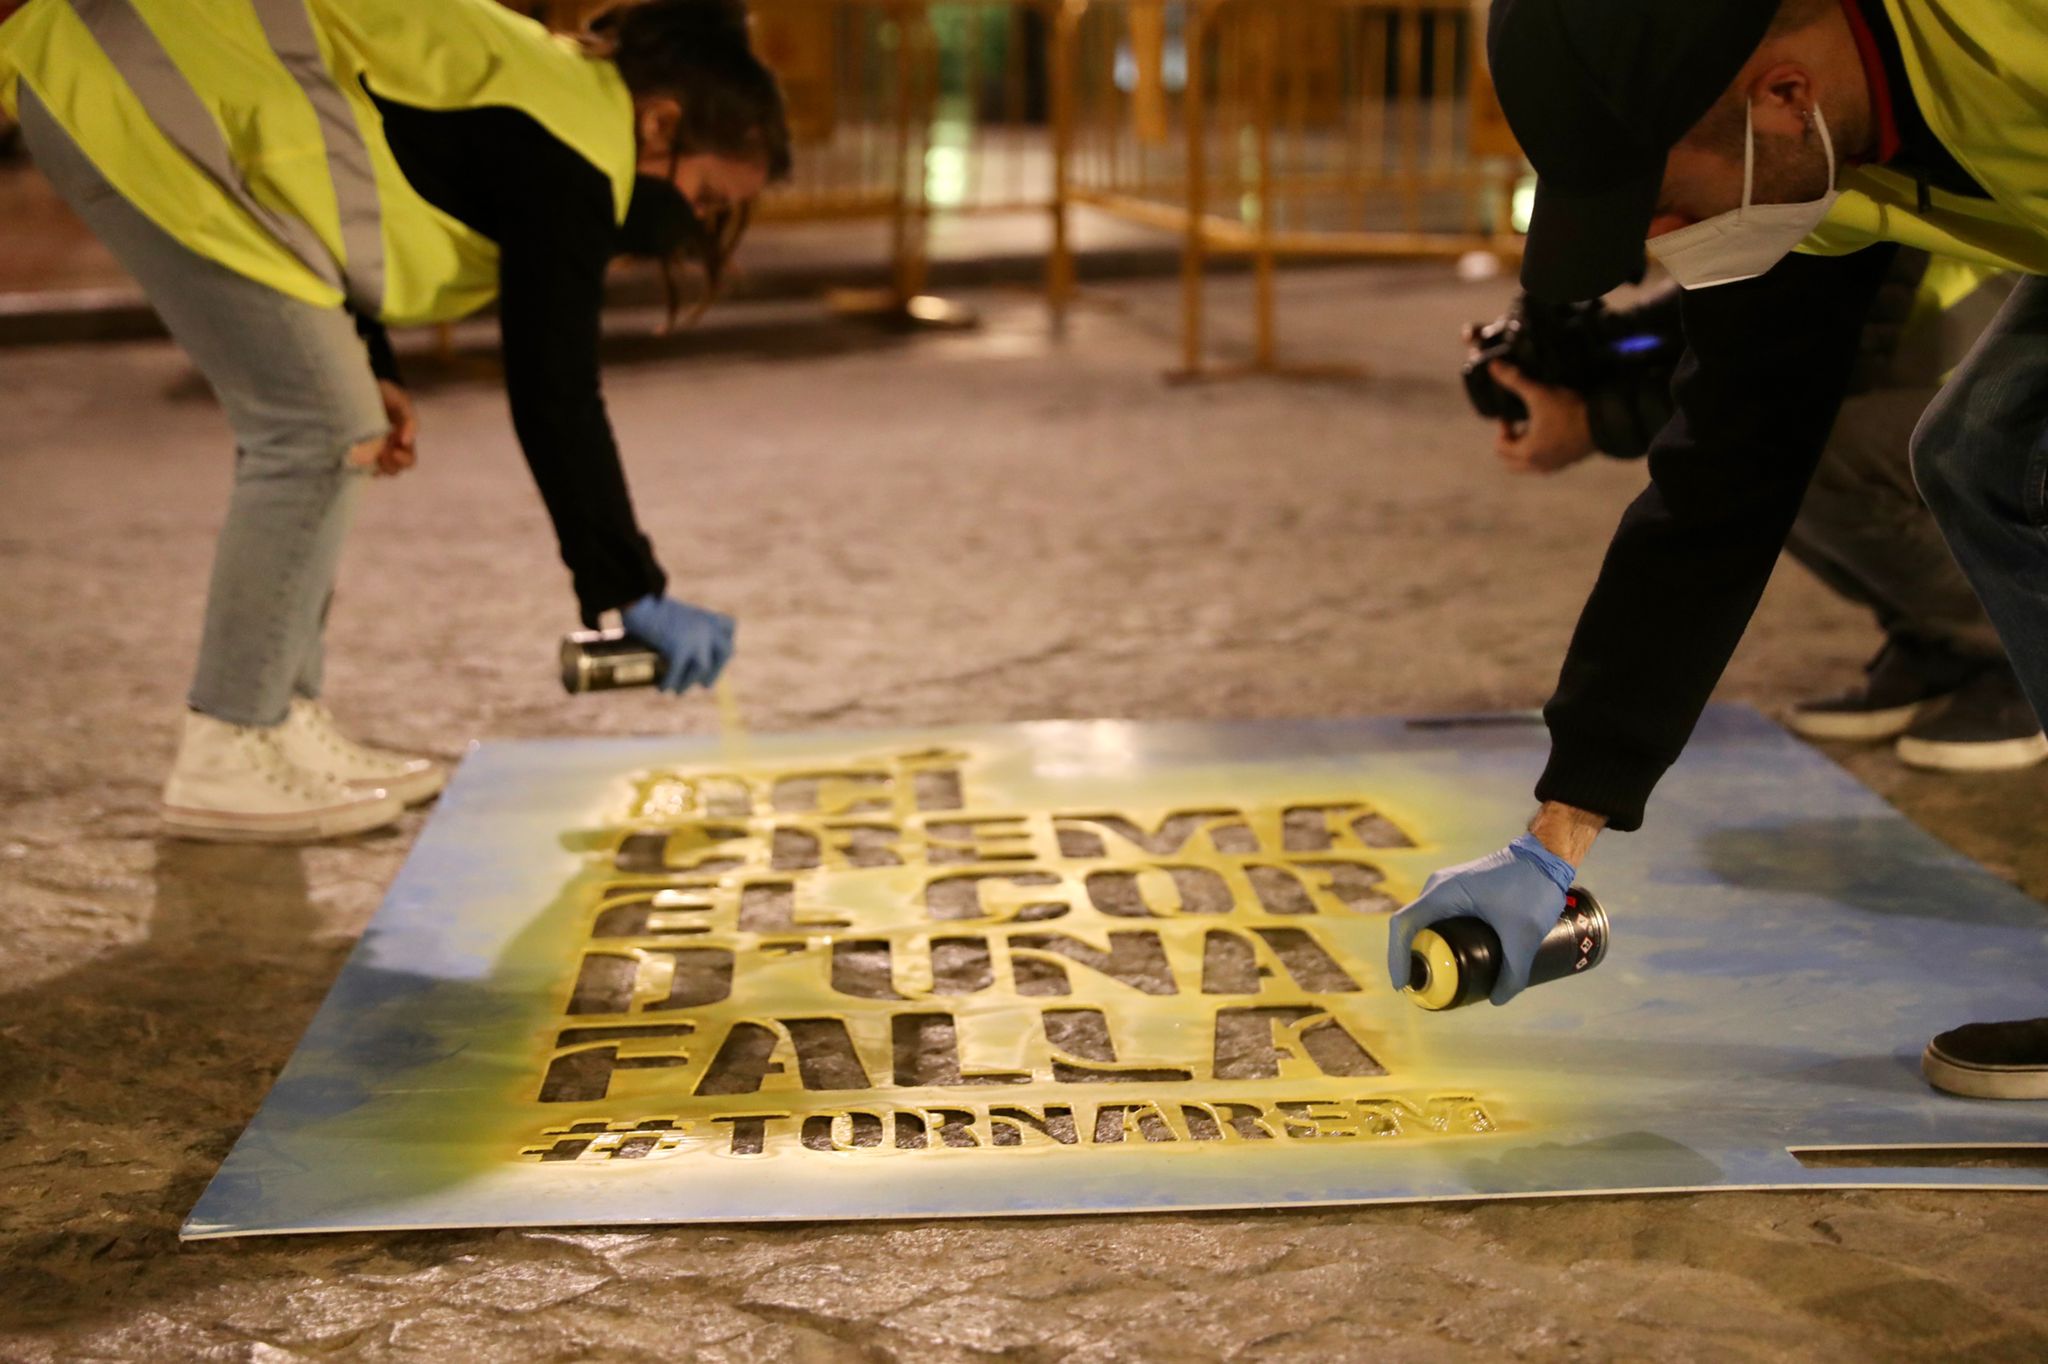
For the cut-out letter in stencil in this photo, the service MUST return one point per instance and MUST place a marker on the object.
(1102, 966)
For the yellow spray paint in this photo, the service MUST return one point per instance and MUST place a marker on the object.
(732, 728)
(887, 954)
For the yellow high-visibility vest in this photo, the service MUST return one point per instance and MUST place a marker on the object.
(1979, 73)
(243, 129)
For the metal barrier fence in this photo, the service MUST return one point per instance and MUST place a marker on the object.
(1283, 128)
(906, 109)
(910, 109)
(849, 70)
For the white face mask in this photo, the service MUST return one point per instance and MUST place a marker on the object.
(1744, 242)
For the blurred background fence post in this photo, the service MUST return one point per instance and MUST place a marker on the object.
(1285, 130)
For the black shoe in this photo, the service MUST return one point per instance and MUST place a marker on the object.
(1991, 1060)
(1986, 726)
(1902, 681)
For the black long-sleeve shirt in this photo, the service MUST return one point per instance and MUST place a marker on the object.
(1767, 363)
(549, 210)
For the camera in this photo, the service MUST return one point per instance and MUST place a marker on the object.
(1579, 346)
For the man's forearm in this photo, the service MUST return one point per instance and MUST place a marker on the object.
(1567, 830)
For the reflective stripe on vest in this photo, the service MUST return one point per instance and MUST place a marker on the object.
(290, 30)
(175, 107)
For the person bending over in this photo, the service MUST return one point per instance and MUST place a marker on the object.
(1940, 685)
(288, 176)
(1725, 133)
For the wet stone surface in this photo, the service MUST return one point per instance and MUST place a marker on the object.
(984, 527)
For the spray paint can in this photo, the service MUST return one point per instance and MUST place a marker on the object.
(1455, 962)
(607, 660)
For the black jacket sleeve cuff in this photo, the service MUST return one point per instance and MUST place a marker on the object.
(1609, 781)
(377, 341)
(593, 599)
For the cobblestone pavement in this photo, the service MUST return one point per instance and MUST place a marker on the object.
(957, 528)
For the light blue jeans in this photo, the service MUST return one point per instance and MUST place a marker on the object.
(1980, 457)
(295, 383)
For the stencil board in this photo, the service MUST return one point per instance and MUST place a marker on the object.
(1105, 967)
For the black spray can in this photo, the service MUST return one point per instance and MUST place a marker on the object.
(1455, 962)
(607, 660)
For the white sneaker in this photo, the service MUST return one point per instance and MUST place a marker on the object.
(311, 740)
(234, 784)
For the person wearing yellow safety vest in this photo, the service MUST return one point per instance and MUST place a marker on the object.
(1941, 687)
(1720, 135)
(285, 178)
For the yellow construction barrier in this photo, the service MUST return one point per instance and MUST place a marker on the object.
(1277, 129)
(912, 109)
(907, 109)
(850, 70)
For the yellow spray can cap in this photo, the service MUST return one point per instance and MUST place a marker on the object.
(1433, 975)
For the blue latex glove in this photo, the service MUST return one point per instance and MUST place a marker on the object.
(694, 643)
(1518, 891)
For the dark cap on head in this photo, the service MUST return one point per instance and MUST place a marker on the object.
(1598, 92)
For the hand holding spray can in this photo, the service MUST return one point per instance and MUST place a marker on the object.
(1455, 962)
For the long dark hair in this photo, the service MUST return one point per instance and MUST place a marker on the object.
(697, 53)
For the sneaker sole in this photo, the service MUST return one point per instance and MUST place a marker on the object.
(1866, 726)
(407, 790)
(1996, 755)
(1946, 1073)
(220, 826)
